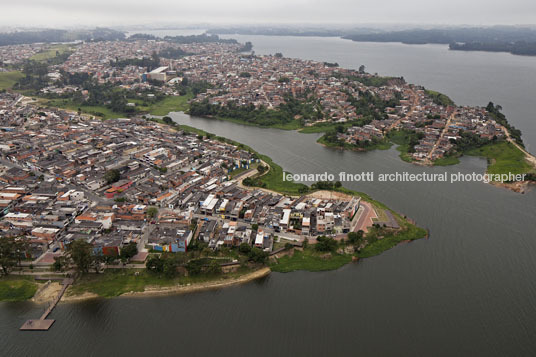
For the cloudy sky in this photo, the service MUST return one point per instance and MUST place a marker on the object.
(125, 12)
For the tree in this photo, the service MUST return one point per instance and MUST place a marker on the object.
(325, 244)
(355, 237)
(257, 255)
(81, 253)
(128, 251)
(244, 248)
(60, 263)
(152, 212)
(112, 176)
(278, 55)
(362, 69)
(155, 264)
(255, 226)
(168, 120)
(261, 169)
(8, 254)
(194, 267)
(214, 268)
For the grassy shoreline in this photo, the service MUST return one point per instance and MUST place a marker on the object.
(118, 282)
(17, 288)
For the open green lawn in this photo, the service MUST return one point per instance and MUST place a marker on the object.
(503, 158)
(115, 282)
(310, 260)
(50, 52)
(100, 111)
(447, 161)
(273, 180)
(161, 108)
(8, 79)
(322, 127)
(169, 104)
(16, 289)
(440, 98)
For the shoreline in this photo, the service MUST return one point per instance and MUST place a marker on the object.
(152, 290)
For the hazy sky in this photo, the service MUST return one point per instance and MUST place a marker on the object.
(121, 12)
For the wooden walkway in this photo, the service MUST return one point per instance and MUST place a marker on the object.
(44, 324)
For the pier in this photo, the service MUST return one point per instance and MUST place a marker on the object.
(44, 324)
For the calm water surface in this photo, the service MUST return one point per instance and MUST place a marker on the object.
(469, 290)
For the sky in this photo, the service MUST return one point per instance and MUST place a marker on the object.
(69, 13)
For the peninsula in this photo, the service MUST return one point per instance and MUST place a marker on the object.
(137, 205)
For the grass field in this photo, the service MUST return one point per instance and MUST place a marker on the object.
(100, 111)
(274, 179)
(169, 104)
(310, 260)
(447, 161)
(322, 128)
(440, 98)
(16, 289)
(115, 282)
(503, 158)
(8, 79)
(50, 53)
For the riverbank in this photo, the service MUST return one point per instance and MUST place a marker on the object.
(143, 284)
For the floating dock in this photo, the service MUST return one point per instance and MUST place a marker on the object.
(44, 324)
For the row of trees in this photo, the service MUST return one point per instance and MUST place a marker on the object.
(173, 264)
(84, 257)
(284, 114)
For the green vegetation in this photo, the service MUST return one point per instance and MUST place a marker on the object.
(330, 140)
(368, 80)
(377, 246)
(170, 104)
(8, 79)
(287, 116)
(159, 108)
(115, 282)
(503, 157)
(273, 180)
(323, 127)
(447, 161)
(51, 52)
(17, 289)
(405, 140)
(439, 98)
(311, 260)
(495, 112)
(241, 170)
(96, 110)
(112, 176)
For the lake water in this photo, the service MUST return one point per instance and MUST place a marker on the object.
(468, 290)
